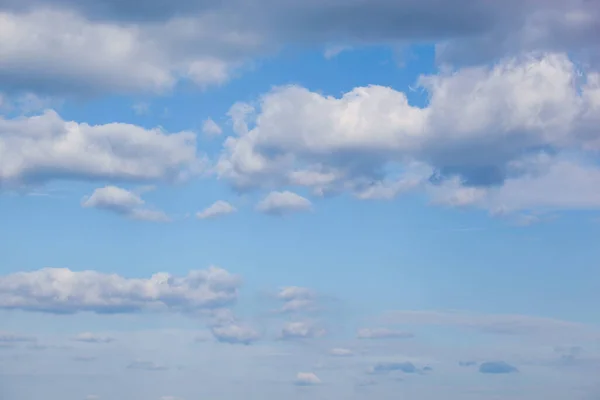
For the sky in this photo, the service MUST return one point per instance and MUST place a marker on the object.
(332, 199)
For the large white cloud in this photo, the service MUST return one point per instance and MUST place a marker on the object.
(45, 147)
(66, 46)
(529, 118)
(60, 290)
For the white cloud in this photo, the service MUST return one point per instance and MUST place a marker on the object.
(504, 324)
(89, 337)
(341, 352)
(307, 379)
(333, 51)
(60, 51)
(301, 330)
(123, 202)
(280, 203)
(297, 298)
(60, 290)
(235, 334)
(383, 333)
(481, 140)
(45, 147)
(211, 128)
(218, 208)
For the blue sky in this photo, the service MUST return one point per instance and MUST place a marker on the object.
(319, 199)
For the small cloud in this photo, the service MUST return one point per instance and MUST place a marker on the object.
(467, 363)
(83, 358)
(9, 338)
(146, 365)
(333, 51)
(218, 208)
(92, 397)
(89, 337)
(211, 128)
(307, 379)
(141, 108)
(383, 333)
(122, 202)
(235, 334)
(280, 203)
(297, 298)
(340, 352)
(300, 330)
(496, 367)
(386, 367)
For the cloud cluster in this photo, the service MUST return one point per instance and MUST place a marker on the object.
(60, 290)
(504, 138)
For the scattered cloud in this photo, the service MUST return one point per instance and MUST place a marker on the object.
(89, 337)
(496, 367)
(60, 290)
(217, 209)
(301, 330)
(386, 367)
(307, 379)
(383, 333)
(141, 108)
(123, 202)
(501, 324)
(235, 334)
(146, 366)
(334, 51)
(211, 128)
(297, 299)
(281, 203)
(341, 352)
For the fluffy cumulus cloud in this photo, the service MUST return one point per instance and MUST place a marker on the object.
(41, 148)
(217, 209)
(123, 202)
(60, 290)
(508, 137)
(281, 203)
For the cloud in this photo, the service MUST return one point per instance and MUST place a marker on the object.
(297, 299)
(496, 367)
(235, 334)
(334, 51)
(89, 337)
(123, 202)
(217, 209)
(115, 57)
(122, 48)
(504, 137)
(383, 333)
(211, 128)
(499, 324)
(60, 290)
(341, 352)
(146, 366)
(10, 338)
(307, 379)
(386, 367)
(467, 363)
(301, 330)
(281, 203)
(42, 148)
